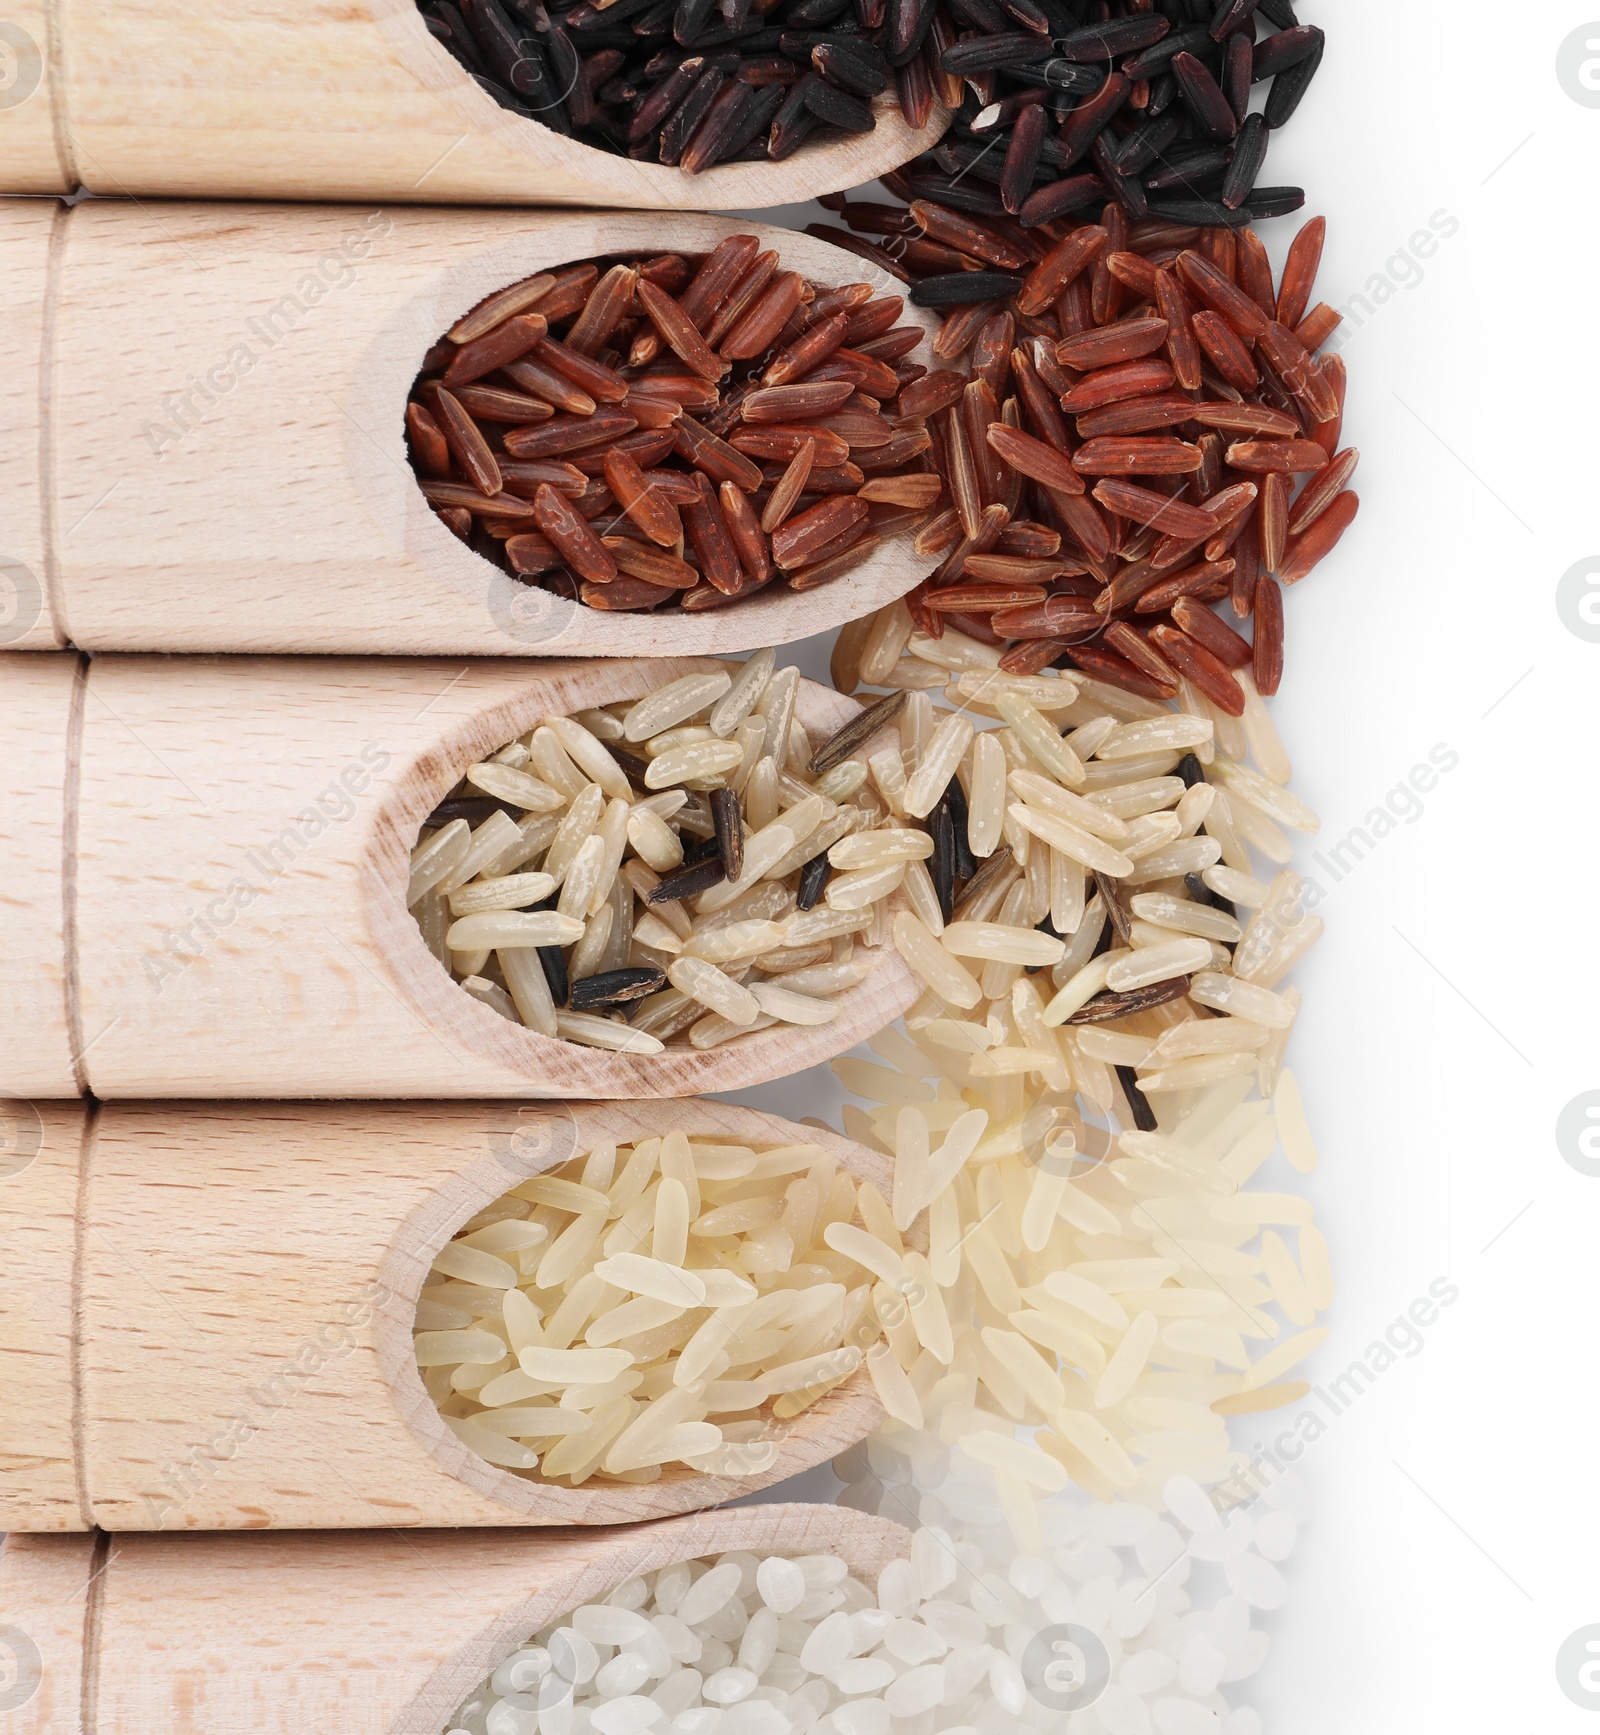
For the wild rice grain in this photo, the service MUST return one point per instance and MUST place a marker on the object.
(658, 866)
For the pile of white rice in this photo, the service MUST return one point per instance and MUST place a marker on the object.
(1120, 1620)
(1094, 1253)
(665, 1302)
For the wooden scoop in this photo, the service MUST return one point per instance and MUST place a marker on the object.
(234, 872)
(275, 508)
(271, 100)
(220, 1299)
(367, 1633)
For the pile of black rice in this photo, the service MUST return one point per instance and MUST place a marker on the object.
(1147, 101)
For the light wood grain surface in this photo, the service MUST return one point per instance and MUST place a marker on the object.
(40, 705)
(34, 157)
(275, 801)
(363, 1634)
(349, 100)
(245, 1280)
(27, 620)
(237, 479)
(249, 1285)
(40, 1166)
(48, 1586)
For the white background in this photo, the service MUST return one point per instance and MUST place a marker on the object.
(1450, 1012)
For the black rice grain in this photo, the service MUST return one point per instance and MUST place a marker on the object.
(653, 79)
(446, 25)
(962, 288)
(1022, 157)
(1144, 1117)
(1060, 75)
(616, 987)
(1288, 48)
(689, 880)
(1157, 59)
(942, 863)
(728, 819)
(1199, 213)
(552, 960)
(1232, 15)
(996, 867)
(1249, 153)
(1147, 143)
(681, 124)
(1120, 924)
(986, 53)
(1107, 1008)
(793, 121)
(908, 23)
(1289, 87)
(474, 809)
(838, 107)
(852, 67)
(1204, 98)
(768, 100)
(1265, 202)
(713, 138)
(856, 733)
(814, 878)
(965, 862)
(1096, 42)
(1189, 167)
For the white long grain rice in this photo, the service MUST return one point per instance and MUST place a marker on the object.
(675, 703)
(1017, 1233)
(1096, 1301)
(727, 1279)
(444, 852)
(937, 764)
(517, 787)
